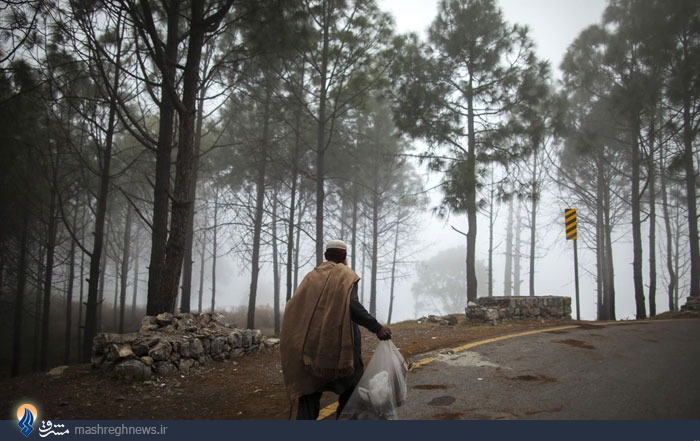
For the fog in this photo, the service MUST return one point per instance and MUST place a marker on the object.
(554, 24)
(277, 113)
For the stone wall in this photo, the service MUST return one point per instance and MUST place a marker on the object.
(499, 309)
(167, 344)
(692, 304)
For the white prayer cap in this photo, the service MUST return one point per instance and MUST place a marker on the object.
(339, 244)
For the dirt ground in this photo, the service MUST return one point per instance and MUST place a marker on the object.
(249, 387)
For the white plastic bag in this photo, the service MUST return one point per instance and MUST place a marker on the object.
(382, 388)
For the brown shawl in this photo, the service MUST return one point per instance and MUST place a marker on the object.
(316, 341)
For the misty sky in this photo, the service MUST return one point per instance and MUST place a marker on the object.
(554, 24)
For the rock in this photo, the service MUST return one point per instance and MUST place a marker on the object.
(196, 348)
(148, 320)
(235, 338)
(164, 319)
(98, 360)
(148, 361)
(160, 351)
(203, 320)
(174, 357)
(186, 365)
(153, 341)
(247, 338)
(119, 351)
(123, 350)
(692, 304)
(217, 345)
(140, 347)
(133, 369)
(165, 368)
(186, 323)
(57, 371)
(237, 352)
(148, 324)
(257, 336)
(271, 342)
(445, 321)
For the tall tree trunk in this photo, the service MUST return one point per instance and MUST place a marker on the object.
(259, 209)
(609, 287)
(364, 260)
(676, 294)
(508, 275)
(375, 255)
(637, 223)
(125, 267)
(38, 307)
(669, 235)
(161, 190)
(322, 142)
(296, 152)
(92, 315)
(92, 309)
(297, 252)
(101, 288)
(290, 235)
(600, 243)
(202, 259)
(492, 222)
(81, 327)
(691, 190)
(275, 266)
(518, 243)
(342, 216)
(184, 165)
(535, 198)
(19, 296)
(393, 264)
(135, 287)
(652, 222)
(115, 303)
(48, 279)
(471, 197)
(186, 292)
(70, 283)
(292, 213)
(353, 239)
(214, 249)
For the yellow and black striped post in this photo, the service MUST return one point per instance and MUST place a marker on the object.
(571, 234)
(570, 217)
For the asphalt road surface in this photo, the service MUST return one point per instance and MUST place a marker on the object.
(632, 371)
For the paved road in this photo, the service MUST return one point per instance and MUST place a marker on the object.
(639, 371)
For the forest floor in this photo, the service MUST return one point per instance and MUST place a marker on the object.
(249, 387)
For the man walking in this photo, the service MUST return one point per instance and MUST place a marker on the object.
(320, 343)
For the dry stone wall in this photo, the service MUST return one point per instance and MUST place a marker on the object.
(498, 309)
(692, 304)
(168, 344)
